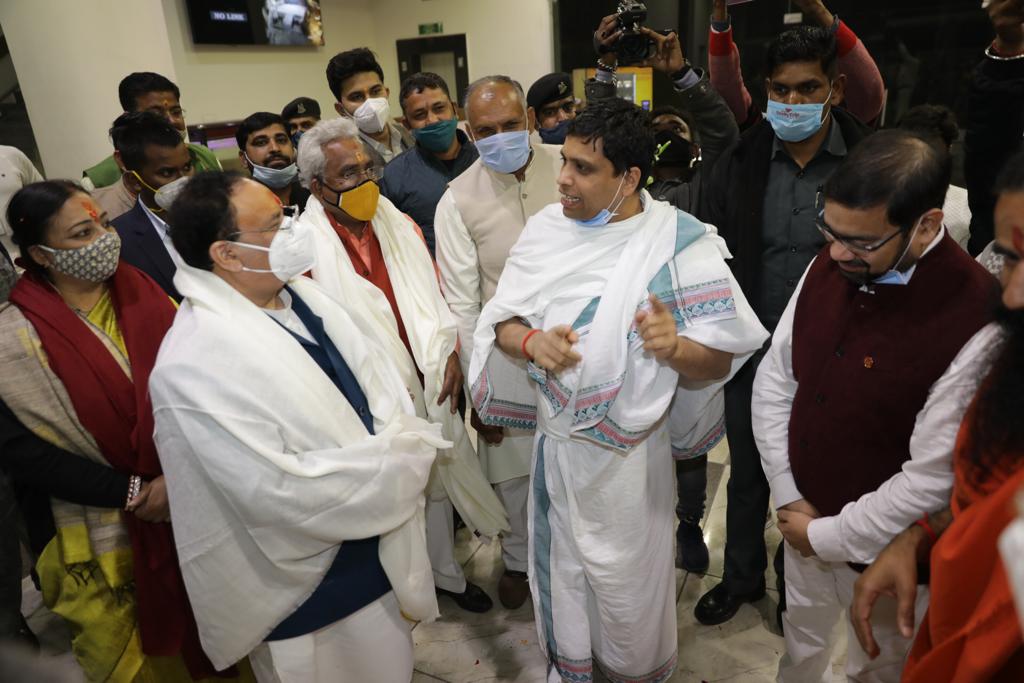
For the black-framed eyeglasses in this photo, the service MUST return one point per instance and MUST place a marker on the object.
(853, 244)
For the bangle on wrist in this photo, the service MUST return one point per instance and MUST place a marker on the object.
(601, 66)
(523, 345)
(925, 524)
(992, 52)
(134, 488)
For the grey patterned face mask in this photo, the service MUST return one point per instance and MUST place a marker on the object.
(94, 262)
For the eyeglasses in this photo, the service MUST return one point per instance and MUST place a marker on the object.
(856, 245)
(353, 177)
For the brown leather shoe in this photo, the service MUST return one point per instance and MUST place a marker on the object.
(513, 589)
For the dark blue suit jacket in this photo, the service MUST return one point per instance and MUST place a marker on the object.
(141, 247)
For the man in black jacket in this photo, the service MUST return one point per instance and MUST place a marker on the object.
(995, 122)
(153, 155)
(761, 196)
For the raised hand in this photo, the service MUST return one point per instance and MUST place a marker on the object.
(668, 57)
(657, 327)
(552, 349)
(1007, 18)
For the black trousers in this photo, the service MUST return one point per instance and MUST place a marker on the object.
(746, 554)
(10, 562)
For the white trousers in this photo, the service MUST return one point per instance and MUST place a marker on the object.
(373, 644)
(602, 574)
(514, 494)
(817, 596)
(448, 574)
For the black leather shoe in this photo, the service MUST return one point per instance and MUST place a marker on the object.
(718, 605)
(691, 551)
(473, 599)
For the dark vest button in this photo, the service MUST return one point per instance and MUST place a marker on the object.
(819, 399)
(840, 352)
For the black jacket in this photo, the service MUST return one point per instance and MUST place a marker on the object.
(995, 125)
(39, 470)
(142, 248)
(733, 200)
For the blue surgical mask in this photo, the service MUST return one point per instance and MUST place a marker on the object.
(796, 122)
(556, 134)
(604, 216)
(437, 137)
(505, 152)
(274, 178)
(896, 277)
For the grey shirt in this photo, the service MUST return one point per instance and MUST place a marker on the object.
(789, 235)
(401, 140)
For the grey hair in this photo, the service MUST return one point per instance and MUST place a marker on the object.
(497, 79)
(311, 160)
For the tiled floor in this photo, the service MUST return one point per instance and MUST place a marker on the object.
(501, 645)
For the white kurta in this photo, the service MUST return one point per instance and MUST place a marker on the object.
(602, 497)
(460, 265)
(269, 468)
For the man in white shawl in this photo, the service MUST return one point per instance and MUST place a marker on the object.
(373, 257)
(478, 220)
(294, 461)
(613, 299)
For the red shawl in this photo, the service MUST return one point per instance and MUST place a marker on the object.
(971, 631)
(116, 410)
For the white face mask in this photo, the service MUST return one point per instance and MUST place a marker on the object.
(372, 115)
(291, 251)
(165, 196)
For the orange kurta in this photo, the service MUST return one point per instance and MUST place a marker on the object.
(971, 632)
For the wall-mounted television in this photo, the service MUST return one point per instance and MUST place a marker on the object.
(256, 22)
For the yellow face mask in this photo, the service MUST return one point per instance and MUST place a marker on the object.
(360, 202)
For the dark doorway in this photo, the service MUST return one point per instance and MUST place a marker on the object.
(444, 55)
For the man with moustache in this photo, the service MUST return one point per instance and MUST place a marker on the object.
(265, 148)
(854, 411)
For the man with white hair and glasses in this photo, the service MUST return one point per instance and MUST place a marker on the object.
(372, 256)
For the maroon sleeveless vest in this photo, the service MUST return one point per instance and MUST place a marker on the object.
(865, 363)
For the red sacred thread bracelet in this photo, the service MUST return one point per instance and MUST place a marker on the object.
(926, 525)
(526, 339)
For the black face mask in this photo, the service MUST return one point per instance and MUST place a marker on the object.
(677, 153)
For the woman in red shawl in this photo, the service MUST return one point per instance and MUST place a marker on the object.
(77, 344)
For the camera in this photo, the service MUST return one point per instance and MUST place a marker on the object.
(633, 47)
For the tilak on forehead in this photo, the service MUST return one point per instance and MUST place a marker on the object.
(90, 209)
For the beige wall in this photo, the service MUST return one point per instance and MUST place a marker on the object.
(70, 55)
(502, 37)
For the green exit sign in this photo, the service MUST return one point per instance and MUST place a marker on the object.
(428, 29)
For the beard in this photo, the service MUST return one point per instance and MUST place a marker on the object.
(998, 430)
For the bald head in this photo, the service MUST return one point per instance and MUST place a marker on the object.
(496, 104)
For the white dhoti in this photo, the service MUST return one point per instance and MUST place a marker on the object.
(817, 596)
(374, 644)
(602, 491)
(601, 527)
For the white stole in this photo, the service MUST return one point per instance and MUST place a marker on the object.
(269, 468)
(432, 334)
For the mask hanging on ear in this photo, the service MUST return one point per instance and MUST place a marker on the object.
(604, 216)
